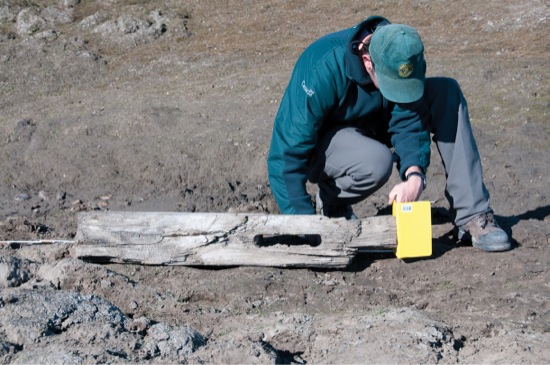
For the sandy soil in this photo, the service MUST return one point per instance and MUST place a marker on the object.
(168, 106)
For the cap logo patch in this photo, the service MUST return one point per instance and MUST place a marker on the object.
(405, 70)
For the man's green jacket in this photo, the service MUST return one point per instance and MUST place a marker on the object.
(329, 88)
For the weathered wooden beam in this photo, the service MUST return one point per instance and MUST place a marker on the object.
(228, 239)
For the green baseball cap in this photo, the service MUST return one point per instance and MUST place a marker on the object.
(397, 53)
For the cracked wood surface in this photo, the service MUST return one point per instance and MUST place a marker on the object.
(228, 239)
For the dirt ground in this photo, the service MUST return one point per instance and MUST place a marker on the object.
(168, 106)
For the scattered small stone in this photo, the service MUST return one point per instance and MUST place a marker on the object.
(40, 228)
(70, 3)
(22, 196)
(42, 195)
(102, 204)
(61, 195)
(139, 325)
(256, 304)
(47, 35)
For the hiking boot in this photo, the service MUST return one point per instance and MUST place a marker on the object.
(334, 210)
(485, 234)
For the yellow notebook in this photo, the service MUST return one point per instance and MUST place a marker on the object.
(414, 229)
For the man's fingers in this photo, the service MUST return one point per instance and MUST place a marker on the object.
(392, 196)
(404, 192)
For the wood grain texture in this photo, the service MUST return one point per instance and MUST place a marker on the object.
(228, 239)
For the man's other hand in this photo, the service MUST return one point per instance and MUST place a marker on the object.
(407, 191)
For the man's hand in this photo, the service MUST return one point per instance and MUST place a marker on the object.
(407, 191)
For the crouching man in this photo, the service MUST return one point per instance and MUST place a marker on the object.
(353, 97)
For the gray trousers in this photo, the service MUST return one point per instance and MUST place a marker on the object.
(349, 166)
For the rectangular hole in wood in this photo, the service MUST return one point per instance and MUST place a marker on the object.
(266, 240)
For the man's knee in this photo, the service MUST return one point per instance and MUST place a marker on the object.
(357, 164)
(381, 170)
(372, 171)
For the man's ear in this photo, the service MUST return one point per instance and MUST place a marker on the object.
(367, 61)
